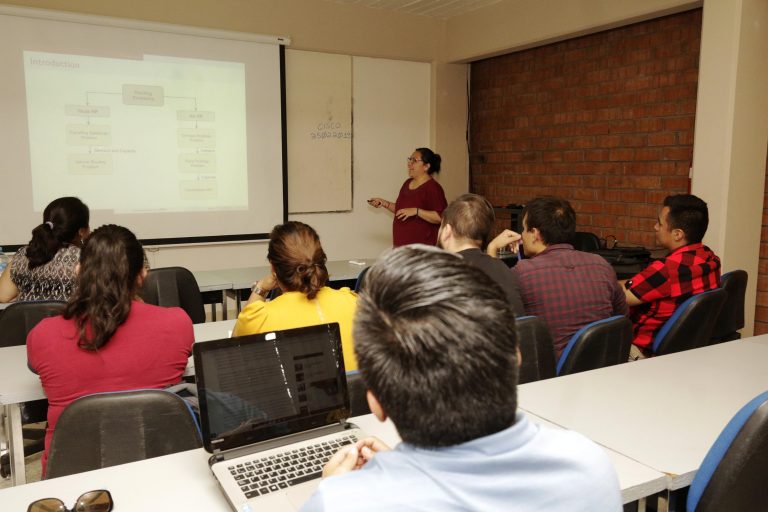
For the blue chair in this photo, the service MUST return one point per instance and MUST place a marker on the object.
(107, 429)
(731, 317)
(692, 324)
(361, 279)
(732, 475)
(537, 350)
(602, 343)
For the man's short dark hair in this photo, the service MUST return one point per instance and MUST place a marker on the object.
(689, 213)
(471, 218)
(436, 344)
(553, 217)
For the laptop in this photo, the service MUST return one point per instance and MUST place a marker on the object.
(273, 409)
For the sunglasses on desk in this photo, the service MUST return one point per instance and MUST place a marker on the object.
(92, 501)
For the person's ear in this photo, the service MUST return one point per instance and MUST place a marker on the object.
(77, 269)
(519, 357)
(447, 232)
(141, 277)
(375, 406)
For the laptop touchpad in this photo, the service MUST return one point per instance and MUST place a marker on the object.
(300, 494)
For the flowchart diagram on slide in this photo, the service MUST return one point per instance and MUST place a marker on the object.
(163, 122)
(196, 136)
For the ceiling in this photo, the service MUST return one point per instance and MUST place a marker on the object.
(440, 9)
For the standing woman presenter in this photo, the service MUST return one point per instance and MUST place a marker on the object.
(420, 204)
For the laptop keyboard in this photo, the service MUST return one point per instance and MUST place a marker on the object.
(275, 472)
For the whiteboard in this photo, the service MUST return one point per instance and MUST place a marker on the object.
(319, 131)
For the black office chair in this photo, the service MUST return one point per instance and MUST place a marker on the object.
(586, 241)
(358, 402)
(21, 317)
(692, 323)
(15, 324)
(732, 475)
(731, 317)
(174, 286)
(537, 349)
(596, 345)
(107, 429)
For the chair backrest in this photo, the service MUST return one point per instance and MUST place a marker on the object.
(358, 402)
(361, 278)
(21, 317)
(692, 323)
(174, 286)
(731, 317)
(586, 241)
(732, 475)
(537, 349)
(602, 343)
(107, 429)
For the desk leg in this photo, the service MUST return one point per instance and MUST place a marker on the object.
(12, 420)
(223, 305)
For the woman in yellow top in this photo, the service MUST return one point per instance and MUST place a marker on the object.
(298, 269)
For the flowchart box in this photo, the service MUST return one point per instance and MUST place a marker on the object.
(196, 115)
(193, 162)
(202, 138)
(86, 110)
(147, 95)
(198, 189)
(90, 164)
(89, 135)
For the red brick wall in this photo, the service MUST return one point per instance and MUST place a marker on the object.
(761, 306)
(604, 120)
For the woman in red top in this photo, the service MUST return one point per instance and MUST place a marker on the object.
(107, 340)
(420, 204)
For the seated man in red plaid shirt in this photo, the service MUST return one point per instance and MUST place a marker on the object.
(690, 268)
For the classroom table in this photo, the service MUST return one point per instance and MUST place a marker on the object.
(193, 487)
(233, 280)
(664, 412)
(19, 385)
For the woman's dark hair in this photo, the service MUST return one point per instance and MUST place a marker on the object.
(110, 263)
(62, 219)
(298, 258)
(430, 157)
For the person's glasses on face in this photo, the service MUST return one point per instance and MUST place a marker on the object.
(92, 501)
(412, 160)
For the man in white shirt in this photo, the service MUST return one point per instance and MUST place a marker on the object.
(436, 344)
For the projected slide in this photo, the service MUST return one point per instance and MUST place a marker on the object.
(157, 134)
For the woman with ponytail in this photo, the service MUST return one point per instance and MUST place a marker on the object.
(107, 339)
(45, 268)
(298, 269)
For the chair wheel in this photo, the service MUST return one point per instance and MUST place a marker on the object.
(5, 466)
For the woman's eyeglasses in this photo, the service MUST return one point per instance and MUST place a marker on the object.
(412, 160)
(92, 501)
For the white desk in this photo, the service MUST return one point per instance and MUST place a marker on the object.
(636, 480)
(243, 278)
(181, 481)
(193, 487)
(664, 412)
(20, 385)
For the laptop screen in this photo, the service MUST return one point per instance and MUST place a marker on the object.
(264, 386)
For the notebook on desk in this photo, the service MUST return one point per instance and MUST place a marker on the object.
(273, 409)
